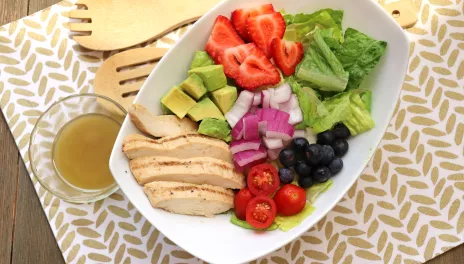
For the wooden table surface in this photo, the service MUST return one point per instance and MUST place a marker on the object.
(25, 235)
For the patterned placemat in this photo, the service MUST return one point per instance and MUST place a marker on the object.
(407, 206)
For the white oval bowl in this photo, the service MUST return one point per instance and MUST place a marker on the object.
(215, 240)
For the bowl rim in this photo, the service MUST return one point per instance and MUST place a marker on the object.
(404, 38)
(110, 190)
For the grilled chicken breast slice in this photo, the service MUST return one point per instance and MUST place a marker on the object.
(202, 170)
(183, 147)
(160, 126)
(189, 199)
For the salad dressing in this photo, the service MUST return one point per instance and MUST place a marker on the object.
(82, 150)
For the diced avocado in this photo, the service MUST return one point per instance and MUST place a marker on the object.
(201, 59)
(178, 102)
(193, 85)
(166, 110)
(225, 98)
(215, 128)
(203, 109)
(213, 76)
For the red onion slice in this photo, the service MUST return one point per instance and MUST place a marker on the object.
(282, 93)
(246, 157)
(290, 104)
(296, 116)
(244, 145)
(273, 154)
(273, 143)
(250, 127)
(278, 130)
(265, 99)
(240, 108)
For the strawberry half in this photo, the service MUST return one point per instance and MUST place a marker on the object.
(232, 58)
(240, 16)
(286, 55)
(264, 28)
(255, 70)
(222, 36)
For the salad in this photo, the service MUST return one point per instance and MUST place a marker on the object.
(284, 91)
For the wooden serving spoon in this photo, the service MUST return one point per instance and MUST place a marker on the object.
(121, 76)
(119, 24)
(404, 12)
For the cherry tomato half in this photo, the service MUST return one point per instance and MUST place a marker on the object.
(241, 201)
(261, 212)
(263, 180)
(290, 199)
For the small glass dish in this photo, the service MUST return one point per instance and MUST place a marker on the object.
(47, 129)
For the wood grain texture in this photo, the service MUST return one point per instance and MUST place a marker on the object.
(25, 234)
(34, 241)
(120, 13)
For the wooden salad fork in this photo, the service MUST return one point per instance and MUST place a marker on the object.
(122, 75)
(119, 24)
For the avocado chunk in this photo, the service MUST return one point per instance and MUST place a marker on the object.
(213, 76)
(225, 98)
(193, 85)
(201, 59)
(215, 128)
(203, 109)
(178, 102)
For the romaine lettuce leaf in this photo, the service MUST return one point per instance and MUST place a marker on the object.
(359, 54)
(303, 24)
(338, 108)
(286, 223)
(321, 68)
(317, 189)
(309, 103)
(366, 97)
(359, 120)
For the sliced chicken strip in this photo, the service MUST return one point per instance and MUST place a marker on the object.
(189, 199)
(160, 126)
(202, 170)
(183, 147)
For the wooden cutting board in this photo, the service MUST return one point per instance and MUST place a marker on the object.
(119, 24)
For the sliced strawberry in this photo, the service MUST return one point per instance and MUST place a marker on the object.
(264, 28)
(286, 55)
(222, 36)
(232, 58)
(256, 71)
(240, 16)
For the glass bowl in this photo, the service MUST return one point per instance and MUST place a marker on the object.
(46, 130)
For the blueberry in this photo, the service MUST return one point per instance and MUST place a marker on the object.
(327, 155)
(325, 138)
(313, 154)
(340, 147)
(303, 170)
(321, 174)
(286, 175)
(305, 182)
(287, 158)
(335, 166)
(340, 131)
(299, 144)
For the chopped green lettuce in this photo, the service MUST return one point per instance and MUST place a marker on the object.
(286, 223)
(366, 97)
(302, 24)
(349, 108)
(359, 120)
(330, 36)
(321, 68)
(314, 191)
(244, 224)
(309, 103)
(359, 54)
(338, 109)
